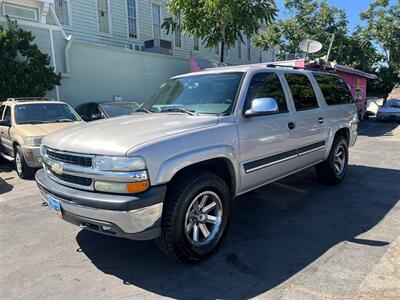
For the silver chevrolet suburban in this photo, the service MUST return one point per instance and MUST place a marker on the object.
(170, 170)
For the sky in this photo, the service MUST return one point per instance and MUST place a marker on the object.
(351, 7)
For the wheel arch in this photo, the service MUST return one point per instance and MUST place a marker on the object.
(217, 161)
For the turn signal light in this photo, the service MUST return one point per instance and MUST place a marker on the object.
(137, 187)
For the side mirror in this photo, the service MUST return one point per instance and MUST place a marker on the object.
(5, 123)
(262, 106)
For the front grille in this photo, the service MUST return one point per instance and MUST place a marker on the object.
(69, 158)
(73, 179)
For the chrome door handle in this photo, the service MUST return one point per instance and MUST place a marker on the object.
(321, 120)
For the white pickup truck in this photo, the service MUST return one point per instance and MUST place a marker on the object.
(170, 170)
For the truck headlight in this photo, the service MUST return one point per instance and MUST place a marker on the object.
(33, 141)
(122, 164)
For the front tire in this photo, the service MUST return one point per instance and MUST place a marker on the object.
(334, 169)
(196, 214)
(23, 170)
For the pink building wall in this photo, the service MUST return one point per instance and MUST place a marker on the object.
(358, 87)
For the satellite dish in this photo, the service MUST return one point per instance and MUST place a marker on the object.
(310, 46)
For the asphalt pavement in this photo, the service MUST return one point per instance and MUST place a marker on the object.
(293, 239)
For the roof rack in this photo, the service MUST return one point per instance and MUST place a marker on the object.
(31, 99)
(272, 65)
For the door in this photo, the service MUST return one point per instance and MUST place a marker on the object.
(6, 143)
(267, 142)
(311, 133)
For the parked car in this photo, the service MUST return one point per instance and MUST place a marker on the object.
(23, 124)
(390, 111)
(95, 111)
(373, 105)
(170, 171)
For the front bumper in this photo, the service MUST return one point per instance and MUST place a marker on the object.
(135, 217)
(32, 156)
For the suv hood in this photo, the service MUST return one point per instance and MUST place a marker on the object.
(116, 136)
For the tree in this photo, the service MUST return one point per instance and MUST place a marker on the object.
(383, 28)
(307, 19)
(24, 69)
(219, 21)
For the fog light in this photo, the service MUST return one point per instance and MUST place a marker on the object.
(121, 188)
(39, 159)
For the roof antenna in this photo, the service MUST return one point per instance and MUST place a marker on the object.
(330, 47)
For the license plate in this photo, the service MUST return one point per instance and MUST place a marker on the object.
(55, 206)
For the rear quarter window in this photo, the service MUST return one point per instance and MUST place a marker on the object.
(334, 89)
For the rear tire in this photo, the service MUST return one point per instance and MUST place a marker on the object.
(196, 214)
(333, 170)
(23, 170)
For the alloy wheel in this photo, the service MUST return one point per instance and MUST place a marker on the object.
(203, 218)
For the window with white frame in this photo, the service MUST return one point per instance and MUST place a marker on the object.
(248, 48)
(103, 15)
(61, 8)
(20, 12)
(178, 34)
(156, 20)
(239, 48)
(196, 44)
(132, 19)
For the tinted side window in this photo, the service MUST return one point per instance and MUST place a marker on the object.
(1, 111)
(7, 114)
(266, 85)
(302, 91)
(334, 89)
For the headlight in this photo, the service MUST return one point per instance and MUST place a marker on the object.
(109, 163)
(33, 141)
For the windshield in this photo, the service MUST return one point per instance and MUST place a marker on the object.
(208, 94)
(393, 103)
(119, 109)
(40, 113)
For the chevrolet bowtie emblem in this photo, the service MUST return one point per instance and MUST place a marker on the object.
(57, 169)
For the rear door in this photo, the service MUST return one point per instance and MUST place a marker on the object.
(311, 125)
(267, 143)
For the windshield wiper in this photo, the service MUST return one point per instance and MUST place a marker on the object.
(179, 109)
(143, 110)
(30, 122)
(61, 120)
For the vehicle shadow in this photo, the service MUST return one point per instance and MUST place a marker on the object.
(380, 129)
(276, 231)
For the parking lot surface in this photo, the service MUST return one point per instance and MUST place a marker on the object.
(293, 239)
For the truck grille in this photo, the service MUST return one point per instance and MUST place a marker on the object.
(69, 158)
(73, 179)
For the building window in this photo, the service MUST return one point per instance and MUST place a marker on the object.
(103, 15)
(156, 20)
(196, 44)
(62, 11)
(178, 34)
(132, 19)
(248, 48)
(20, 12)
(239, 48)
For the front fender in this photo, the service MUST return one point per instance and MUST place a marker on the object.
(174, 164)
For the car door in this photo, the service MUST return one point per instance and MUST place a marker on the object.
(311, 125)
(6, 142)
(266, 142)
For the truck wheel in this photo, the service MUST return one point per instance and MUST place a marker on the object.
(196, 214)
(333, 170)
(23, 170)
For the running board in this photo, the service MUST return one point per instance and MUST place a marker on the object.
(7, 157)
